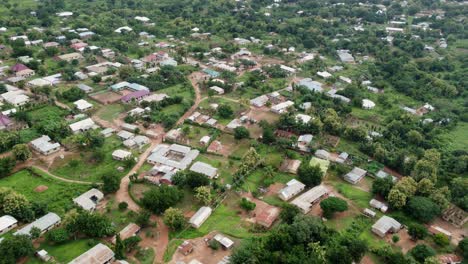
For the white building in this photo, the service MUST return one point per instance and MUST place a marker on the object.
(83, 125)
(293, 187)
(282, 107)
(7, 223)
(217, 89)
(83, 105)
(99, 254)
(311, 197)
(16, 98)
(386, 225)
(355, 175)
(303, 118)
(89, 200)
(205, 169)
(200, 216)
(120, 154)
(44, 224)
(367, 104)
(44, 145)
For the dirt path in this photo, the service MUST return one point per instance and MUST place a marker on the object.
(57, 177)
(198, 98)
(104, 123)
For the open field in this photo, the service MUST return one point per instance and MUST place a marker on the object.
(58, 195)
(110, 112)
(80, 166)
(63, 253)
(458, 137)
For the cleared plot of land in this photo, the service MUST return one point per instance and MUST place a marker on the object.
(81, 166)
(110, 112)
(64, 253)
(107, 97)
(58, 195)
(458, 137)
(234, 147)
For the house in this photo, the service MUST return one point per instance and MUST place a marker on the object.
(82, 126)
(83, 105)
(267, 216)
(5, 122)
(217, 89)
(43, 255)
(306, 200)
(21, 70)
(323, 154)
(129, 127)
(378, 205)
(259, 101)
(382, 174)
(293, 188)
(135, 96)
(185, 248)
(64, 14)
(123, 29)
(138, 111)
(205, 140)
(225, 242)
(367, 104)
(141, 140)
(290, 166)
(324, 74)
(369, 213)
(282, 107)
(355, 175)
(15, 98)
(386, 225)
(342, 157)
(303, 118)
(345, 56)
(177, 156)
(85, 88)
(44, 224)
(7, 223)
(311, 85)
(173, 135)
(345, 79)
(71, 56)
(288, 69)
(121, 154)
(168, 62)
(200, 216)
(205, 169)
(107, 132)
(99, 254)
(234, 124)
(89, 200)
(44, 145)
(129, 231)
(126, 85)
(125, 135)
(303, 142)
(449, 259)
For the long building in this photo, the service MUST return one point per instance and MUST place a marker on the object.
(311, 197)
(99, 254)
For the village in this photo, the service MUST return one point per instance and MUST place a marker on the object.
(193, 147)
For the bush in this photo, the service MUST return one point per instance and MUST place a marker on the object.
(57, 235)
(333, 204)
(213, 244)
(246, 204)
(123, 206)
(463, 248)
(441, 240)
(241, 133)
(111, 183)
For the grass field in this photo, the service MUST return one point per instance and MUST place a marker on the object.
(359, 197)
(58, 196)
(223, 219)
(110, 112)
(87, 170)
(458, 137)
(225, 167)
(66, 252)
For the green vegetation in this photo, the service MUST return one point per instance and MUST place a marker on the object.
(58, 195)
(66, 252)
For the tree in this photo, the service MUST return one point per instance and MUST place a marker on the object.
(382, 186)
(131, 242)
(417, 231)
(463, 247)
(35, 232)
(331, 205)
(421, 252)
(268, 135)
(13, 248)
(310, 175)
(18, 206)
(111, 183)
(21, 152)
(289, 212)
(203, 194)
(161, 198)
(225, 111)
(119, 248)
(422, 209)
(57, 235)
(92, 225)
(241, 133)
(396, 198)
(194, 179)
(143, 219)
(6, 166)
(425, 187)
(395, 239)
(174, 218)
(407, 186)
(432, 260)
(247, 205)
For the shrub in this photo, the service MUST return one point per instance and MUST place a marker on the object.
(123, 206)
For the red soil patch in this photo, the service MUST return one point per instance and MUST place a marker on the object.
(41, 188)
